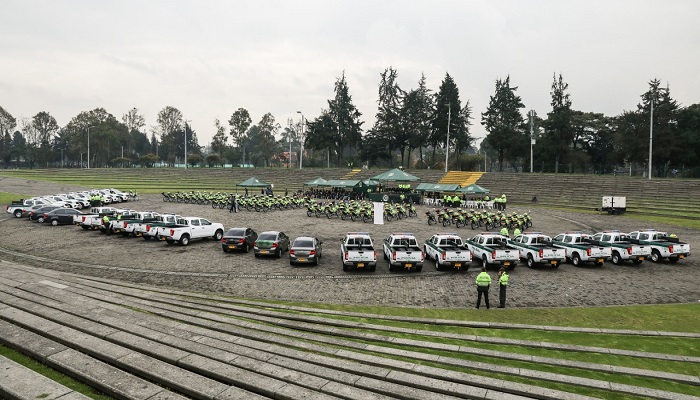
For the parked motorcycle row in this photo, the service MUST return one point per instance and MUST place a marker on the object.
(359, 210)
(479, 219)
(258, 203)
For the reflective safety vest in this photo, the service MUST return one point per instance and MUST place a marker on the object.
(483, 279)
(516, 232)
(504, 232)
(105, 219)
(503, 280)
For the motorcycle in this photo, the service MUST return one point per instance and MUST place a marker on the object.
(431, 218)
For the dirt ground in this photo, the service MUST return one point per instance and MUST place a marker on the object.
(203, 267)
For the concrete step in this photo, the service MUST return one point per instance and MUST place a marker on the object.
(22, 383)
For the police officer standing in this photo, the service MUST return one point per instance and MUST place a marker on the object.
(504, 232)
(483, 282)
(503, 285)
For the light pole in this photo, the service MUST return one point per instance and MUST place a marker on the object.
(447, 143)
(186, 121)
(289, 139)
(651, 130)
(532, 136)
(88, 155)
(301, 141)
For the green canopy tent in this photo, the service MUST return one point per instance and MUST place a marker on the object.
(437, 187)
(252, 182)
(396, 175)
(367, 186)
(473, 189)
(316, 182)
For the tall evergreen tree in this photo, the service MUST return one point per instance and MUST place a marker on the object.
(504, 122)
(347, 118)
(559, 133)
(447, 109)
(389, 127)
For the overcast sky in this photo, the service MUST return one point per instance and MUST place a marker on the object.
(208, 58)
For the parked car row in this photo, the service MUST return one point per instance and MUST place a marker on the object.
(74, 200)
(302, 250)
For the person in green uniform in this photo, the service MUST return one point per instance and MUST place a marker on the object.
(503, 285)
(483, 282)
(504, 232)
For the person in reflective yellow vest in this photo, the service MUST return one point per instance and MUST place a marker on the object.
(516, 232)
(504, 232)
(483, 282)
(503, 285)
(105, 222)
(456, 202)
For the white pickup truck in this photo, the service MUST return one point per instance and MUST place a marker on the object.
(149, 230)
(536, 248)
(402, 251)
(448, 250)
(357, 252)
(662, 245)
(17, 208)
(580, 247)
(194, 228)
(127, 224)
(490, 248)
(622, 247)
(93, 219)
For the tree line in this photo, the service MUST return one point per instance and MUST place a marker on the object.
(413, 128)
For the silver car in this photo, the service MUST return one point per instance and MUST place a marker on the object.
(305, 250)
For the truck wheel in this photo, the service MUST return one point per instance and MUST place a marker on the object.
(147, 237)
(225, 249)
(616, 259)
(40, 219)
(373, 268)
(419, 269)
(169, 241)
(484, 261)
(673, 260)
(576, 260)
(391, 268)
(598, 264)
(385, 256)
(345, 268)
(54, 222)
(279, 253)
(185, 240)
(655, 256)
(218, 235)
(18, 214)
(437, 265)
(85, 227)
(637, 261)
(530, 261)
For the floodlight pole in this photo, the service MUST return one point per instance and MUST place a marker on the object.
(301, 141)
(447, 142)
(532, 137)
(651, 130)
(186, 144)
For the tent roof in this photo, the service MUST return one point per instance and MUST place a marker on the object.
(437, 187)
(344, 183)
(253, 182)
(370, 182)
(316, 182)
(474, 188)
(396, 175)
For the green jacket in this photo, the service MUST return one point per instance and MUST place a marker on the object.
(483, 279)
